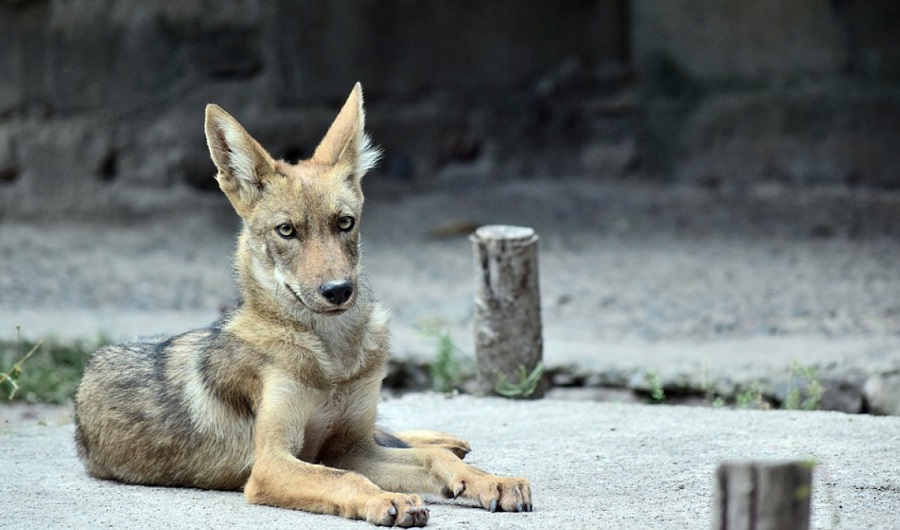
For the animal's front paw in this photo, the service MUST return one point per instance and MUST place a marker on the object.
(396, 509)
(506, 494)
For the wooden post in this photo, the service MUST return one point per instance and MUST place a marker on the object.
(508, 340)
(762, 496)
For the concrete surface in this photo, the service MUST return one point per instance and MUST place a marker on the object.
(592, 465)
(687, 283)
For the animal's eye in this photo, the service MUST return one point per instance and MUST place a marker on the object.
(285, 230)
(346, 223)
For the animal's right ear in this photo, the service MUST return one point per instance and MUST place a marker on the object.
(242, 163)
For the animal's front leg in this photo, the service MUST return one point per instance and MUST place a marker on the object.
(290, 483)
(436, 470)
(278, 478)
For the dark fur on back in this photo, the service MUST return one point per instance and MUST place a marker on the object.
(145, 393)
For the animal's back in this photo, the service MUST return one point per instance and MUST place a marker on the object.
(136, 416)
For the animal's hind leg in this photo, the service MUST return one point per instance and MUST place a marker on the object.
(449, 442)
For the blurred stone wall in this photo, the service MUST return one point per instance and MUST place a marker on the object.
(801, 92)
(101, 101)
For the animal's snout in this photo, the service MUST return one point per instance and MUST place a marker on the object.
(337, 292)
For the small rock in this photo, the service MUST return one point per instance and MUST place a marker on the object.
(843, 393)
(565, 379)
(882, 393)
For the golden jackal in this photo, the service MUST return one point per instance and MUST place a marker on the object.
(279, 397)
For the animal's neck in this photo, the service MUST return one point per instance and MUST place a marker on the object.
(334, 340)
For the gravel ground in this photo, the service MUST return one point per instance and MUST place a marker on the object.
(591, 465)
(691, 284)
(684, 282)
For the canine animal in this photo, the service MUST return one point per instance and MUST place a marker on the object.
(278, 398)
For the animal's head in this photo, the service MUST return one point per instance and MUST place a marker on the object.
(301, 220)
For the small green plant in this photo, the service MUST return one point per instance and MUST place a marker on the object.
(657, 392)
(52, 372)
(751, 398)
(10, 378)
(524, 386)
(450, 366)
(807, 391)
(446, 370)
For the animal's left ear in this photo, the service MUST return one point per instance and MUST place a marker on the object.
(346, 142)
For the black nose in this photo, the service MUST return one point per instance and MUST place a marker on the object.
(337, 292)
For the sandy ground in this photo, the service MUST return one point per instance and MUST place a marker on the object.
(682, 282)
(592, 465)
(678, 281)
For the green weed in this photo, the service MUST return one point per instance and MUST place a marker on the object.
(524, 386)
(10, 378)
(51, 373)
(657, 392)
(751, 398)
(450, 366)
(806, 390)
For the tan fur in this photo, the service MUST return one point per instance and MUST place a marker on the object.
(279, 397)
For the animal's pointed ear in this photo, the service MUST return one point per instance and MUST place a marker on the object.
(346, 141)
(242, 163)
